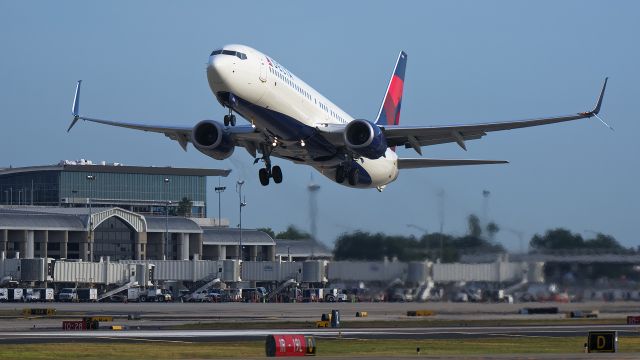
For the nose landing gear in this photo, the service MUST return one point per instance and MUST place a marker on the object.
(230, 119)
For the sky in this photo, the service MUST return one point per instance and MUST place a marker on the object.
(468, 62)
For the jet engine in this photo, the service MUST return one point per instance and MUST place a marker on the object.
(210, 139)
(365, 138)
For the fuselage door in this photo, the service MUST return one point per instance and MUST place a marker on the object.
(263, 69)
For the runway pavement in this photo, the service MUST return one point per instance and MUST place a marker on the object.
(374, 333)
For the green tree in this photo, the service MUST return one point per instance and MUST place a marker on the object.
(492, 229)
(293, 233)
(269, 231)
(184, 207)
(473, 226)
(556, 239)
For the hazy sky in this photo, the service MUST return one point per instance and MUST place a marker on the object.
(468, 62)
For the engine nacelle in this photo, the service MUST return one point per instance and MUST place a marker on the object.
(209, 138)
(365, 138)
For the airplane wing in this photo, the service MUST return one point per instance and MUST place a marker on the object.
(416, 136)
(244, 135)
(426, 163)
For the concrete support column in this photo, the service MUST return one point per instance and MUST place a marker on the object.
(140, 246)
(29, 244)
(183, 246)
(4, 236)
(271, 253)
(195, 245)
(233, 251)
(64, 244)
(253, 252)
(41, 237)
(83, 249)
(222, 252)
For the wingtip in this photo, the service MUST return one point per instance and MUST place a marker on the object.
(73, 122)
(596, 109)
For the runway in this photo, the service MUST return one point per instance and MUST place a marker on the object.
(374, 333)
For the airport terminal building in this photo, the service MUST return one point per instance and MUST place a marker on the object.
(78, 233)
(146, 190)
(86, 211)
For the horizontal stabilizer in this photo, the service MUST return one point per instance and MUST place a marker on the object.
(427, 163)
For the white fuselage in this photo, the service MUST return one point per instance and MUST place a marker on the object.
(289, 112)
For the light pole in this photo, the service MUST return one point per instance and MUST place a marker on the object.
(91, 179)
(242, 204)
(166, 218)
(220, 189)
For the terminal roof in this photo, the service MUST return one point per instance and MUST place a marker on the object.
(152, 170)
(231, 236)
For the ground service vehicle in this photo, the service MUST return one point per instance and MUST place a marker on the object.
(68, 294)
(158, 295)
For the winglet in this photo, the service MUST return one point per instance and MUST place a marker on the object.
(76, 106)
(596, 109)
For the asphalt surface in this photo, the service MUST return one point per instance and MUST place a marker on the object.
(374, 333)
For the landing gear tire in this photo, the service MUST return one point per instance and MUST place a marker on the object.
(353, 176)
(340, 174)
(263, 174)
(276, 174)
(230, 120)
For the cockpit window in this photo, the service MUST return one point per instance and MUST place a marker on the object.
(238, 54)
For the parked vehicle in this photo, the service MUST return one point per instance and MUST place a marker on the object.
(39, 294)
(68, 294)
(334, 294)
(136, 294)
(200, 296)
(158, 295)
(216, 295)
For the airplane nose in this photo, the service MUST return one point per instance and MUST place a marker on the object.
(219, 67)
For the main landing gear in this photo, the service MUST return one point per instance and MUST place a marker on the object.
(350, 174)
(230, 119)
(274, 173)
(269, 172)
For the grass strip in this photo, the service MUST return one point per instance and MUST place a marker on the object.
(326, 347)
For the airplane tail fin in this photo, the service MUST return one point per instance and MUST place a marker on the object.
(389, 113)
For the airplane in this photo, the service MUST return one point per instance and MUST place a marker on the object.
(292, 121)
